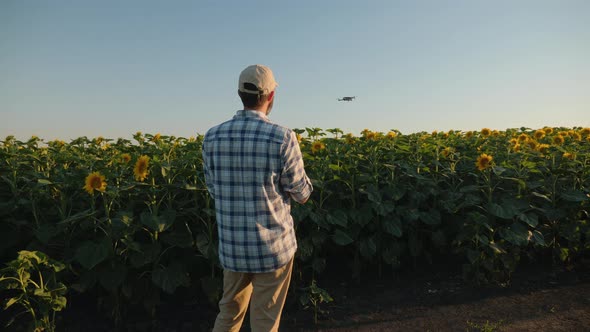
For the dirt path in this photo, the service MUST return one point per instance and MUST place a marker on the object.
(537, 302)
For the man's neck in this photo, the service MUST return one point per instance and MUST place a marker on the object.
(254, 109)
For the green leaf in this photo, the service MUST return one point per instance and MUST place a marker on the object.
(529, 218)
(545, 197)
(337, 217)
(147, 253)
(59, 303)
(393, 226)
(384, 208)
(516, 234)
(496, 248)
(574, 196)
(431, 217)
(170, 278)
(368, 248)
(180, 237)
(90, 253)
(335, 167)
(504, 212)
(539, 239)
(12, 301)
(44, 182)
(46, 232)
(158, 223)
(372, 193)
(362, 216)
(341, 238)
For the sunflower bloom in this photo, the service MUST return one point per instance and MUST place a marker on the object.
(391, 134)
(469, 134)
(532, 144)
(141, 168)
(349, 138)
(299, 138)
(543, 148)
(485, 132)
(317, 146)
(125, 157)
(446, 152)
(156, 137)
(513, 141)
(569, 155)
(576, 136)
(523, 137)
(539, 134)
(585, 132)
(484, 161)
(95, 181)
(548, 130)
(558, 140)
(371, 135)
(516, 147)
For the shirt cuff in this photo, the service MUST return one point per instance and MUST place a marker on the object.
(301, 192)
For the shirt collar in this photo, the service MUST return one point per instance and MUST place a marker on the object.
(250, 114)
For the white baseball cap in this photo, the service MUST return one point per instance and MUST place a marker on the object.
(259, 75)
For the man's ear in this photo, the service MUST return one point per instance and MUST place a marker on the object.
(271, 95)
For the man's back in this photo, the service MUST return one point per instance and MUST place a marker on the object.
(252, 166)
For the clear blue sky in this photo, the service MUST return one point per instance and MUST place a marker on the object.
(111, 68)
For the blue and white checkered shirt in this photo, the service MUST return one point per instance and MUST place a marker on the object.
(253, 168)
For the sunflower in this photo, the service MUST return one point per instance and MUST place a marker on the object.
(95, 181)
(548, 130)
(156, 137)
(125, 157)
(469, 134)
(585, 132)
(516, 147)
(523, 137)
(371, 135)
(434, 133)
(485, 132)
(391, 134)
(299, 138)
(568, 155)
(543, 148)
(317, 146)
(349, 138)
(576, 136)
(532, 144)
(484, 161)
(539, 134)
(558, 140)
(446, 151)
(513, 141)
(141, 168)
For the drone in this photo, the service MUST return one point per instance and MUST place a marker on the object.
(346, 98)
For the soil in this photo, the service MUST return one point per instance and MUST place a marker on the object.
(535, 300)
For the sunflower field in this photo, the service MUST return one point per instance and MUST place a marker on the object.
(130, 224)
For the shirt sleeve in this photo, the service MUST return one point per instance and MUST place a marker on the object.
(208, 173)
(293, 178)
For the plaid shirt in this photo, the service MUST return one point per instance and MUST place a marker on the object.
(253, 168)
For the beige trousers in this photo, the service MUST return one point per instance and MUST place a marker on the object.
(266, 294)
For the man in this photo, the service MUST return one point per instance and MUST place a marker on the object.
(253, 168)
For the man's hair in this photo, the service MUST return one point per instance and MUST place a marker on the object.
(249, 99)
